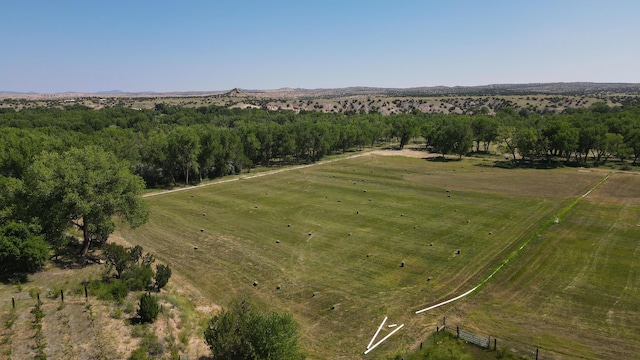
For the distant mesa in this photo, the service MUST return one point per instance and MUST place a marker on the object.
(235, 93)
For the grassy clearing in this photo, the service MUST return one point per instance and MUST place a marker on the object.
(326, 242)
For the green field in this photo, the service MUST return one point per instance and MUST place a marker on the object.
(326, 243)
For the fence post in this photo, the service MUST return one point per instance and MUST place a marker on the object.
(86, 293)
(495, 344)
(437, 328)
(13, 302)
(444, 321)
(458, 332)
(421, 345)
(38, 296)
(536, 353)
(62, 295)
(489, 342)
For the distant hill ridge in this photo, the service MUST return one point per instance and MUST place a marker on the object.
(559, 88)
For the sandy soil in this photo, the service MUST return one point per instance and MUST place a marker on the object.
(408, 152)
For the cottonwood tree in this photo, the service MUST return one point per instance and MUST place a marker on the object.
(84, 188)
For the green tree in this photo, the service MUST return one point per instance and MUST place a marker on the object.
(163, 273)
(183, 145)
(83, 188)
(21, 250)
(118, 257)
(149, 308)
(241, 332)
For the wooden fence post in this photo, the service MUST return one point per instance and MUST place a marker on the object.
(444, 321)
(458, 332)
(13, 302)
(38, 296)
(495, 344)
(536, 353)
(86, 293)
(62, 295)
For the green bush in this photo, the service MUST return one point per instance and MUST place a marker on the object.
(163, 273)
(149, 308)
(118, 291)
(138, 277)
(243, 333)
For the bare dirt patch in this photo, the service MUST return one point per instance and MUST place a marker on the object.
(407, 152)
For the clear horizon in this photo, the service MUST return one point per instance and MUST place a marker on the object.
(150, 46)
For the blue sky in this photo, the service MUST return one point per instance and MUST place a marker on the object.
(86, 45)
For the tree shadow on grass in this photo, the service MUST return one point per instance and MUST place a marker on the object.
(443, 159)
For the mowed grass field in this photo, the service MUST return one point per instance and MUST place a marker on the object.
(575, 291)
(326, 244)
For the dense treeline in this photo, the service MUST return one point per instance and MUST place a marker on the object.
(176, 144)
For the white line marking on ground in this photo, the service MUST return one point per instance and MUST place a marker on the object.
(384, 338)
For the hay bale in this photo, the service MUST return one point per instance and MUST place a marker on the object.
(449, 195)
(370, 199)
(195, 248)
(278, 287)
(357, 212)
(277, 241)
(402, 264)
(415, 227)
(255, 283)
(490, 232)
(339, 200)
(368, 255)
(364, 190)
(314, 294)
(201, 230)
(309, 234)
(401, 215)
(468, 221)
(349, 234)
(430, 244)
(429, 279)
(458, 252)
(204, 214)
(288, 225)
(333, 307)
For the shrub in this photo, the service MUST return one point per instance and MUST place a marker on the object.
(149, 308)
(138, 277)
(243, 333)
(163, 273)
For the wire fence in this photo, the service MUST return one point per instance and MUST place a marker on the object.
(490, 343)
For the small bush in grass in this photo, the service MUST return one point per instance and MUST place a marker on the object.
(149, 308)
(118, 291)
